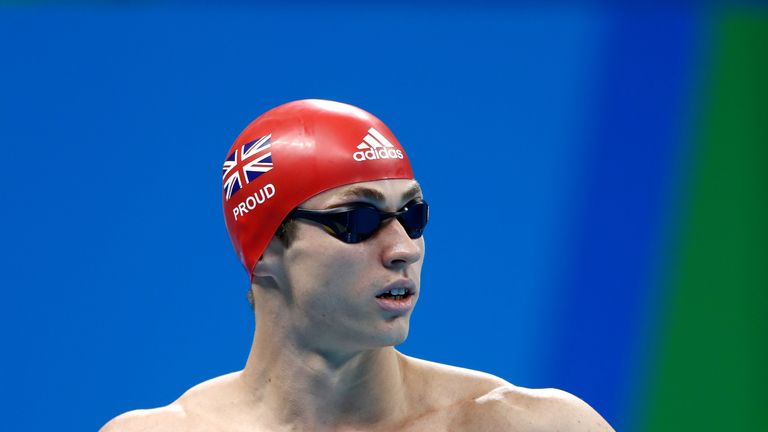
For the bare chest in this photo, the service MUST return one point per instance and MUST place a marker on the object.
(445, 420)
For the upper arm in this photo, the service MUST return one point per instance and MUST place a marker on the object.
(168, 418)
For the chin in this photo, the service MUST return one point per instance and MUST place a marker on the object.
(394, 332)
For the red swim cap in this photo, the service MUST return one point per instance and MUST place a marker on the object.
(293, 152)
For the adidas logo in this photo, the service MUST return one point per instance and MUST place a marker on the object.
(376, 146)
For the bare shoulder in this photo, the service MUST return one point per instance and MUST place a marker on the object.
(186, 414)
(563, 410)
(510, 407)
(168, 418)
(478, 401)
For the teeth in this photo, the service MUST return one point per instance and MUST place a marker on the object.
(397, 291)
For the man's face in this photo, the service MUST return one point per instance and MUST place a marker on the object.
(334, 285)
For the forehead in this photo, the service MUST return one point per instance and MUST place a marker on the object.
(390, 192)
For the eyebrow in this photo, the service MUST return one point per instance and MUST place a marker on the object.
(373, 195)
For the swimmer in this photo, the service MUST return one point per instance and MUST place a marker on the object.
(325, 214)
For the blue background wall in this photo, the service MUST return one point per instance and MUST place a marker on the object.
(120, 289)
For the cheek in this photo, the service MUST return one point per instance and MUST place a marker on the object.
(330, 294)
(324, 272)
(332, 274)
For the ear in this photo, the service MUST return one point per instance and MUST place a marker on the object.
(270, 264)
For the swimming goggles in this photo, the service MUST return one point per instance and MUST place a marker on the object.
(356, 223)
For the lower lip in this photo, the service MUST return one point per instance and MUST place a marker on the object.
(392, 305)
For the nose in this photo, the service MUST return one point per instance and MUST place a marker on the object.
(398, 250)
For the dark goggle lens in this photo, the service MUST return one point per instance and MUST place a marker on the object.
(362, 223)
(414, 219)
(365, 221)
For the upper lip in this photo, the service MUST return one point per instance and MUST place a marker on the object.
(408, 284)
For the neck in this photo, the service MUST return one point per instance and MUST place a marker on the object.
(313, 390)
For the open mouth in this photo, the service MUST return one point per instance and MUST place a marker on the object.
(396, 294)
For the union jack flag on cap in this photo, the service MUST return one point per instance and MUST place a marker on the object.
(245, 164)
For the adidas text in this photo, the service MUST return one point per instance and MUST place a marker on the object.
(373, 154)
